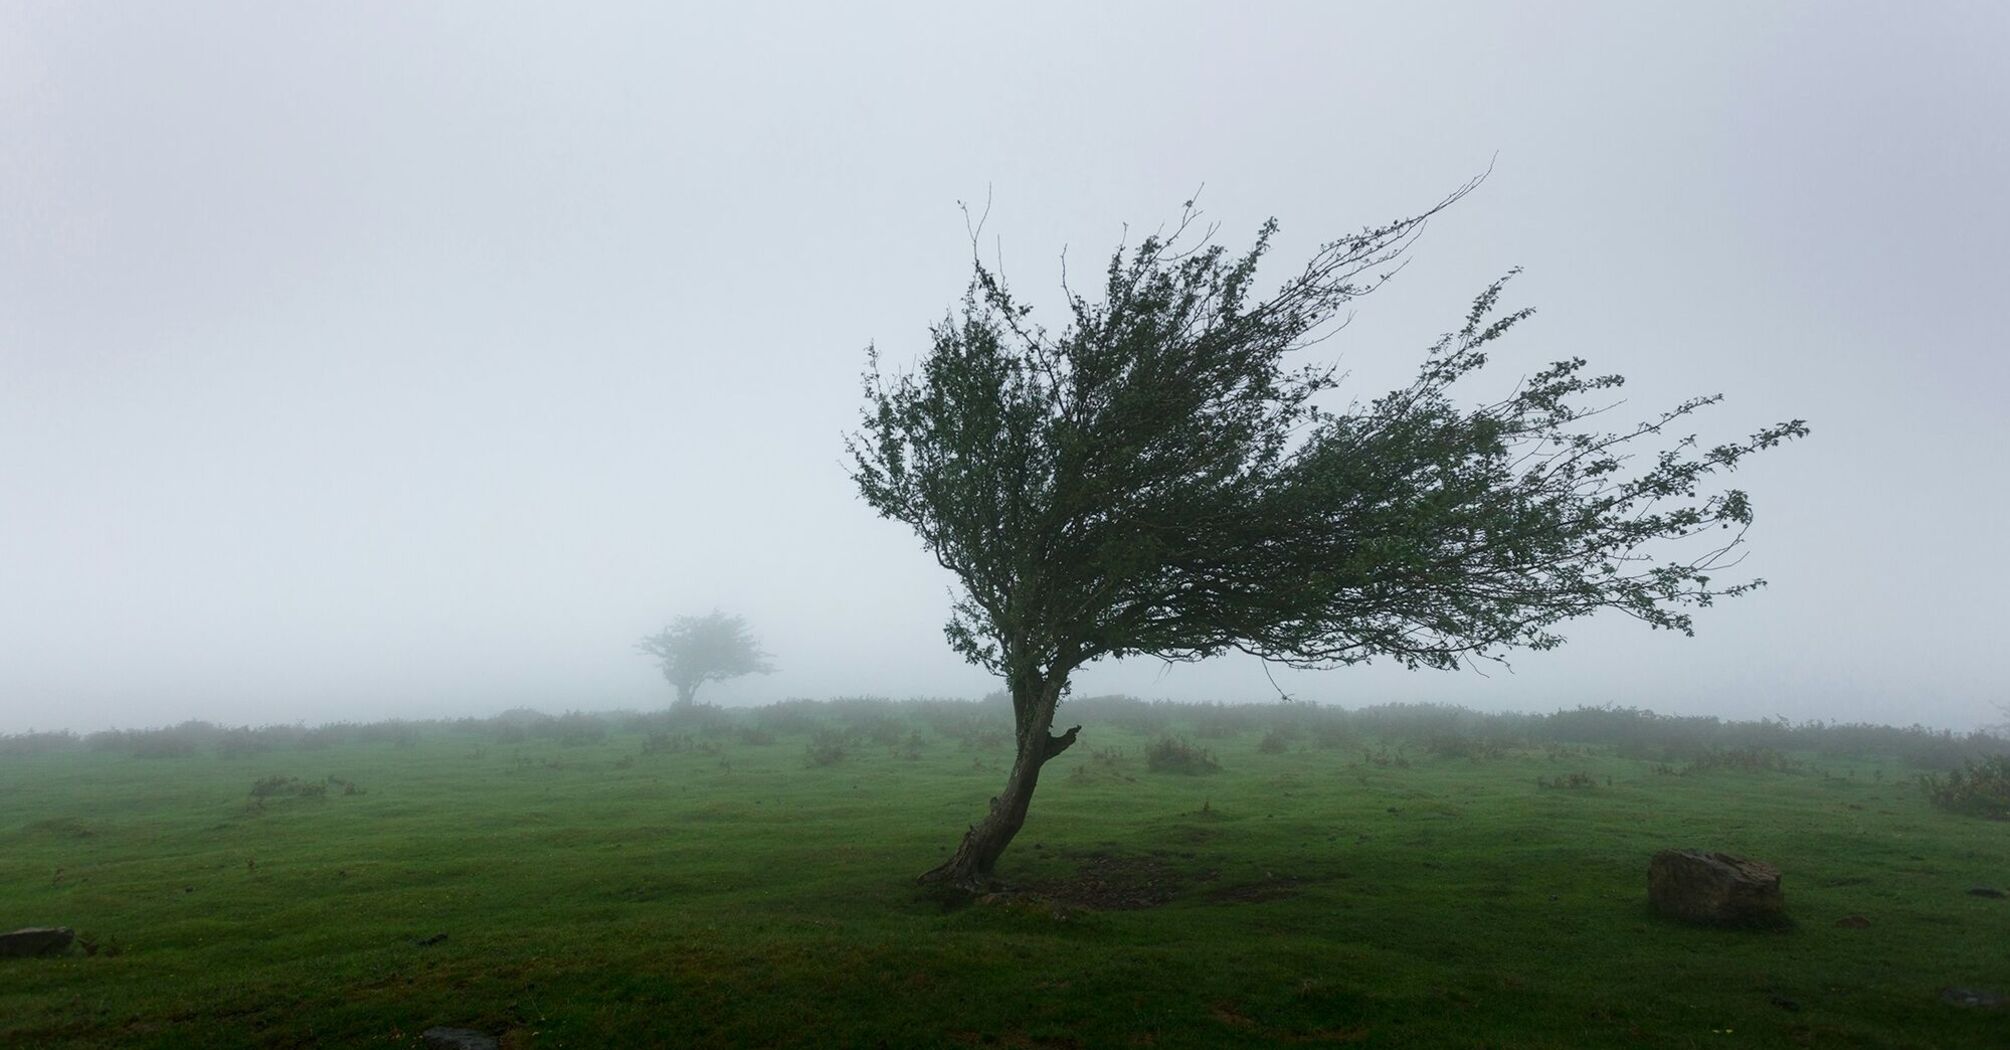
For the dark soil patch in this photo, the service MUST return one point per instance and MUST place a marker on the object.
(1268, 888)
(1012, 1039)
(1115, 882)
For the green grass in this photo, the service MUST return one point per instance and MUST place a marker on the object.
(597, 896)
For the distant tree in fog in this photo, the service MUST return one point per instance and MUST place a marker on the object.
(694, 650)
(1157, 478)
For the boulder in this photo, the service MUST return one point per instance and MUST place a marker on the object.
(1715, 889)
(36, 940)
(457, 1039)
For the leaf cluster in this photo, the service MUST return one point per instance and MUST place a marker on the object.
(694, 650)
(1159, 476)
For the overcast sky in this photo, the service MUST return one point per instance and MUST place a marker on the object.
(384, 359)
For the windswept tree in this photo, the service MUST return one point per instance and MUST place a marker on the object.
(1162, 477)
(694, 650)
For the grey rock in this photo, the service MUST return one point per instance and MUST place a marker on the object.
(457, 1039)
(1715, 889)
(36, 940)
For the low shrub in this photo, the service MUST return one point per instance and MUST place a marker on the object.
(1332, 737)
(1459, 745)
(272, 787)
(1744, 760)
(1383, 758)
(33, 743)
(826, 748)
(1173, 755)
(1105, 764)
(1979, 788)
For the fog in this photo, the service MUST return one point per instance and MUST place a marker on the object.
(385, 360)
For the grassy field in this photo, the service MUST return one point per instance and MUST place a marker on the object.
(648, 887)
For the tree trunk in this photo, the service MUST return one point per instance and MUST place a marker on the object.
(971, 866)
(687, 694)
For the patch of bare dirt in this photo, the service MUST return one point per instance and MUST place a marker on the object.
(1012, 1039)
(1268, 888)
(1106, 881)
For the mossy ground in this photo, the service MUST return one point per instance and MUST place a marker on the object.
(738, 895)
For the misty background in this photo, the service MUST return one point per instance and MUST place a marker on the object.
(385, 360)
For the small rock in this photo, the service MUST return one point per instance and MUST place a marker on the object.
(1970, 997)
(1985, 891)
(1853, 922)
(36, 940)
(1715, 889)
(457, 1039)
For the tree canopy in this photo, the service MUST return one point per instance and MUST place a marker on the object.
(1163, 476)
(694, 650)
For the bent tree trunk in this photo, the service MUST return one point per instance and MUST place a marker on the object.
(687, 696)
(971, 866)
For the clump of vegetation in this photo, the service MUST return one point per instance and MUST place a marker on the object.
(1574, 780)
(1744, 760)
(1383, 758)
(1332, 737)
(664, 743)
(1173, 755)
(1459, 745)
(1979, 788)
(34, 743)
(755, 736)
(61, 827)
(983, 738)
(277, 786)
(575, 728)
(1276, 742)
(827, 747)
(1105, 764)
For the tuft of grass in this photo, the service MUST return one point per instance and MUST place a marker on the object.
(1170, 754)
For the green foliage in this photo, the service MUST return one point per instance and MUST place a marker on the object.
(1173, 755)
(1158, 477)
(1460, 745)
(1744, 759)
(827, 747)
(275, 786)
(1162, 476)
(1979, 789)
(694, 650)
